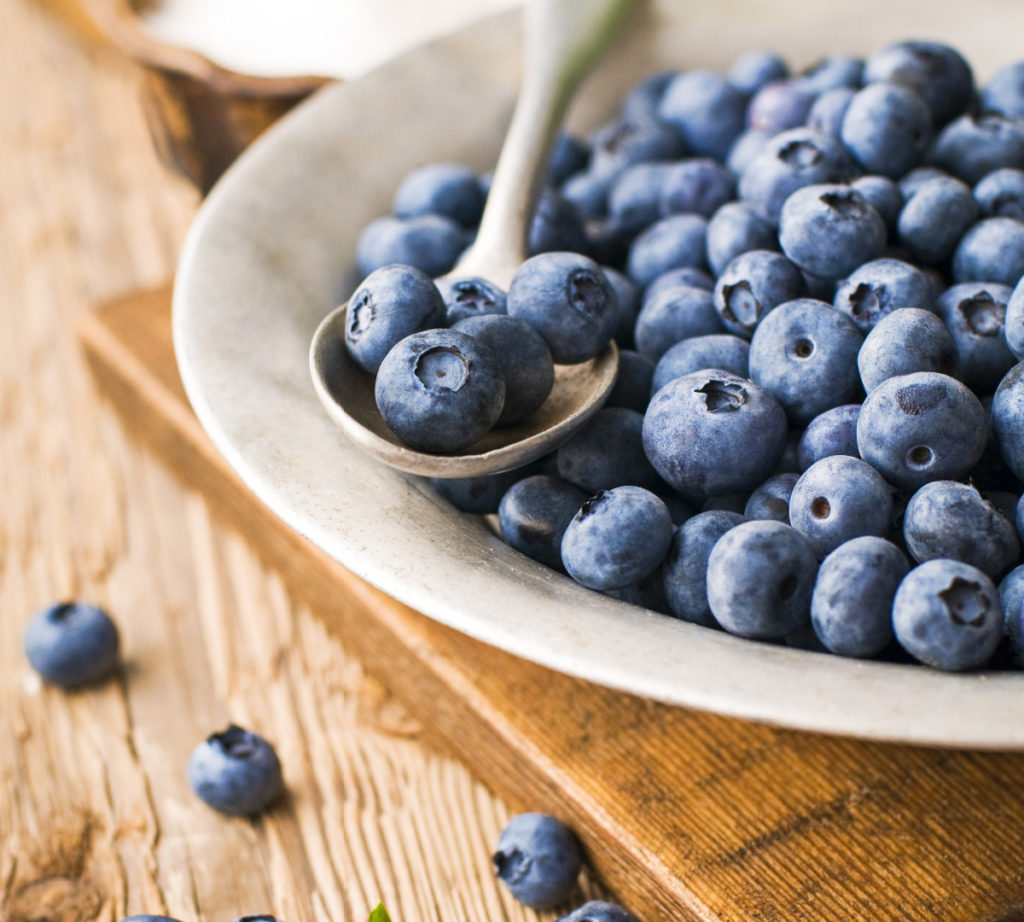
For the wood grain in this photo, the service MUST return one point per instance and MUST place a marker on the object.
(96, 819)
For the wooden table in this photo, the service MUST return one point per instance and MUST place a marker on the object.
(96, 818)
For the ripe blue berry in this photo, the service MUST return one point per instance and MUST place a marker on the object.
(538, 859)
(235, 772)
(72, 644)
(599, 911)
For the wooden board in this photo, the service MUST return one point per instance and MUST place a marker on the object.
(685, 815)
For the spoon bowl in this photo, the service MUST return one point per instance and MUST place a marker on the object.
(346, 393)
(564, 39)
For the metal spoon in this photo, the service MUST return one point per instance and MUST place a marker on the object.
(564, 39)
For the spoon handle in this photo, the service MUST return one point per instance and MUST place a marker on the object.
(564, 39)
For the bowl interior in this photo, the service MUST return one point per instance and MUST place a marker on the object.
(270, 255)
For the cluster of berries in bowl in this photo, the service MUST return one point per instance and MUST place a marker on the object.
(815, 284)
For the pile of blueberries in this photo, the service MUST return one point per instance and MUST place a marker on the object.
(815, 281)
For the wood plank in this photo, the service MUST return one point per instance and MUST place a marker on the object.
(686, 815)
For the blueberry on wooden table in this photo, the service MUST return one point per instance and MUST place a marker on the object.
(599, 911)
(538, 859)
(72, 644)
(236, 772)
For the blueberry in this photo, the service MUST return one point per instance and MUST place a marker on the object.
(672, 315)
(477, 495)
(830, 230)
(734, 229)
(760, 579)
(1000, 194)
(779, 105)
(972, 146)
(752, 285)
(949, 519)
(936, 72)
(447, 189)
(837, 499)
(674, 242)
(756, 67)
(1011, 596)
(712, 432)
(833, 432)
(991, 251)
(557, 225)
(627, 296)
(72, 643)
(534, 514)
(236, 772)
(935, 218)
(587, 192)
(634, 197)
(617, 538)
(1008, 419)
(538, 858)
(633, 140)
(771, 499)
(789, 161)
(608, 452)
(1004, 93)
(632, 387)
(686, 566)
(745, 148)
(948, 614)
(391, 303)
(696, 186)
(568, 156)
(883, 195)
(470, 297)
(641, 101)
(887, 128)
(569, 301)
(440, 390)
(851, 607)
(879, 287)
(805, 354)
(718, 350)
(430, 243)
(524, 360)
(975, 313)
(917, 177)
(1013, 326)
(905, 341)
(834, 71)
(684, 275)
(827, 112)
(921, 427)
(706, 110)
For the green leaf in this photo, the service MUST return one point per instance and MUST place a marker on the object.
(379, 914)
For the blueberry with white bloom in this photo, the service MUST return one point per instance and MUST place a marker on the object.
(1001, 194)
(830, 230)
(972, 146)
(448, 189)
(677, 241)
(538, 858)
(991, 251)
(760, 578)
(950, 519)
(975, 314)
(236, 772)
(440, 390)
(921, 427)
(686, 566)
(717, 350)
(948, 614)
(887, 127)
(569, 301)
(706, 110)
(617, 538)
(936, 72)
(712, 432)
(805, 353)
(753, 284)
(833, 432)
(771, 499)
(934, 219)
(907, 340)
(431, 243)
(72, 644)
(673, 315)
(881, 286)
(390, 303)
(837, 499)
(470, 297)
(608, 452)
(734, 229)
(534, 513)
(851, 607)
